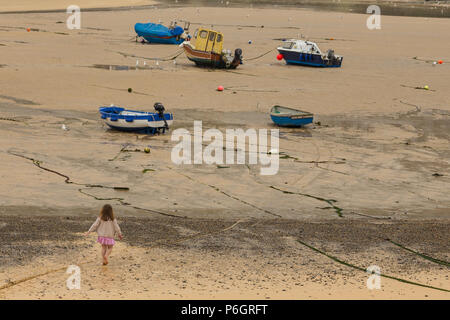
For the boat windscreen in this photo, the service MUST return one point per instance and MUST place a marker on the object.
(288, 45)
(315, 49)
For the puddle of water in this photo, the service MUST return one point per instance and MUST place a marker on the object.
(97, 29)
(301, 133)
(435, 123)
(361, 124)
(431, 127)
(116, 67)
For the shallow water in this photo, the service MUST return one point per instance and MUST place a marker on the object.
(413, 9)
(116, 67)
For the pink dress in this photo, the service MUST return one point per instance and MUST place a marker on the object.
(105, 240)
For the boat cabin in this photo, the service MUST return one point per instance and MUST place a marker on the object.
(301, 46)
(208, 40)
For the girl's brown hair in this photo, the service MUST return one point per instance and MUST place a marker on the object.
(107, 213)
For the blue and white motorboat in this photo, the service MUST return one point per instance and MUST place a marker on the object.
(137, 121)
(307, 53)
(288, 117)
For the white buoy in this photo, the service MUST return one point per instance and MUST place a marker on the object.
(64, 127)
(174, 62)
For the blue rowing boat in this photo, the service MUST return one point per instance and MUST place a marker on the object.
(137, 121)
(288, 117)
(157, 33)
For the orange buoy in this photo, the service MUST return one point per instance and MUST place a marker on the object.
(28, 29)
(220, 88)
(279, 56)
(440, 62)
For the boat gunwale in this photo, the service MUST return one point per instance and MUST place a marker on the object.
(149, 116)
(204, 55)
(299, 113)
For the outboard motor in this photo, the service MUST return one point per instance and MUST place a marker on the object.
(330, 54)
(159, 108)
(237, 58)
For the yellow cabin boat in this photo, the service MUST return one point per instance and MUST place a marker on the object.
(206, 49)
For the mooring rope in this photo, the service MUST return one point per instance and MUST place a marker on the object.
(260, 56)
(364, 270)
(424, 256)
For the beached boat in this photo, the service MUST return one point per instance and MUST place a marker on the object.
(307, 53)
(157, 33)
(288, 117)
(139, 121)
(207, 50)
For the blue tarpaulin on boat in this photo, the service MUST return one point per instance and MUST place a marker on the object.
(158, 33)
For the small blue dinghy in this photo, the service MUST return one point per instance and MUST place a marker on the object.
(157, 33)
(288, 117)
(137, 121)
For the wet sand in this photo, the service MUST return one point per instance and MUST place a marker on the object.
(376, 167)
(169, 258)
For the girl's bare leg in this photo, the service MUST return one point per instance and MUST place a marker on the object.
(107, 253)
(104, 249)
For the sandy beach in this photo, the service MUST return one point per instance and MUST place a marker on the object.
(365, 184)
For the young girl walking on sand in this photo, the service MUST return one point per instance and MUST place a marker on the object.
(106, 227)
